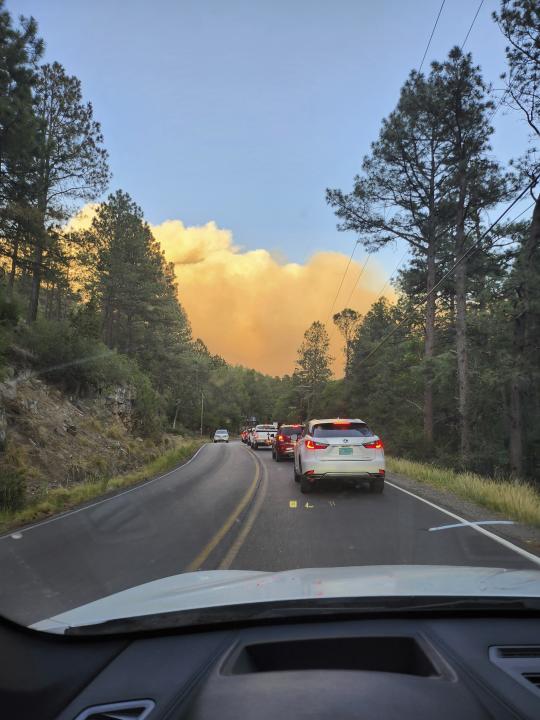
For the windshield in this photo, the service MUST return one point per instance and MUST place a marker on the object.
(269, 303)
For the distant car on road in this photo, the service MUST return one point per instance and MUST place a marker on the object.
(262, 436)
(339, 449)
(244, 435)
(285, 440)
(221, 435)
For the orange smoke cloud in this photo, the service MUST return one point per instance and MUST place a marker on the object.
(252, 308)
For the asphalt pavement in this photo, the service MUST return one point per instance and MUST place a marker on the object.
(229, 508)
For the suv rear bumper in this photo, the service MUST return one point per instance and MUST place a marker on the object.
(344, 476)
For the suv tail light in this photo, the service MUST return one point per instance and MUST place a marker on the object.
(280, 438)
(312, 445)
(375, 445)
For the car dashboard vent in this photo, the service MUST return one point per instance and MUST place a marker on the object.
(519, 651)
(521, 662)
(533, 678)
(132, 710)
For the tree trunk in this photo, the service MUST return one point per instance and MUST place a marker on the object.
(461, 326)
(36, 281)
(461, 350)
(521, 340)
(516, 428)
(429, 345)
(13, 269)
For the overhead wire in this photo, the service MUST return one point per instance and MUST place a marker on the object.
(342, 279)
(432, 33)
(472, 24)
(357, 280)
(394, 271)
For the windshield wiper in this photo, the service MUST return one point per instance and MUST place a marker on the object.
(311, 609)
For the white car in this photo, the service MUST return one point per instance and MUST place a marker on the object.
(339, 448)
(221, 435)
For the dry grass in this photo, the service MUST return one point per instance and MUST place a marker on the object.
(60, 499)
(515, 500)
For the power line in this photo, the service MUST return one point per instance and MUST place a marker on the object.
(342, 279)
(391, 275)
(357, 281)
(463, 257)
(472, 24)
(432, 33)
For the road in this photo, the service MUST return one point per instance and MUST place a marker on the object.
(228, 507)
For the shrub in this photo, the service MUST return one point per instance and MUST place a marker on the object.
(12, 489)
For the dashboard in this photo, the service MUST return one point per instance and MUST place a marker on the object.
(399, 667)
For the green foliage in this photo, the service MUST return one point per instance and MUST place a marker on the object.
(12, 489)
(518, 501)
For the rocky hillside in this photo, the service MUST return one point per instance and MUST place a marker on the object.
(49, 439)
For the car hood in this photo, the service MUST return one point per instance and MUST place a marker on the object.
(214, 588)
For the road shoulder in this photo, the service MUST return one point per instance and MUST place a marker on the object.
(525, 536)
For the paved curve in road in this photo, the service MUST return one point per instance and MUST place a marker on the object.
(228, 507)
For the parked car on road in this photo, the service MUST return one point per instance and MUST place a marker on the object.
(262, 436)
(221, 435)
(337, 449)
(285, 440)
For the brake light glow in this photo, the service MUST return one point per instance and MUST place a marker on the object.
(375, 445)
(312, 445)
(341, 422)
(280, 438)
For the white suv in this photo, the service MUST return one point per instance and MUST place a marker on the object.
(339, 448)
(221, 435)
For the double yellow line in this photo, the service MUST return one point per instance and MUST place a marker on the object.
(201, 558)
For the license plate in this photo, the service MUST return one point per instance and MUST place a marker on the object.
(345, 451)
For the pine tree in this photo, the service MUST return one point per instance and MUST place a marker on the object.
(71, 163)
(20, 49)
(401, 196)
(313, 370)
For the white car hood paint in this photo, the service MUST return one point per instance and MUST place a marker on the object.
(189, 591)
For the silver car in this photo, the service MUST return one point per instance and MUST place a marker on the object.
(339, 448)
(221, 435)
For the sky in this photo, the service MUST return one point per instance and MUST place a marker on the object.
(228, 119)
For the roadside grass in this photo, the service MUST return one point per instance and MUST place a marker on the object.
(515, 500)
(60, 499)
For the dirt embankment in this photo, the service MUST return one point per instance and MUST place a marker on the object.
(54, 440)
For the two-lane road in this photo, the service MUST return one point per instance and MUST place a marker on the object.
(228, 507)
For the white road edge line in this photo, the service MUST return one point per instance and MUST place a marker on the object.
(506, 543)
(104, 500)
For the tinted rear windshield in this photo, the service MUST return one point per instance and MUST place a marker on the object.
(290, 430)
(339, 430)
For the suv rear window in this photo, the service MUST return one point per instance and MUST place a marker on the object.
(341, 430)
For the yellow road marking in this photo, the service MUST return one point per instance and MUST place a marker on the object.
(293, 503)
(250, 520)
(218, 537)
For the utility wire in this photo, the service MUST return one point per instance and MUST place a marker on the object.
(431, 36)
(342, 279)
(472, 24)
(463, 257)
(357, 281)
(391, 275)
